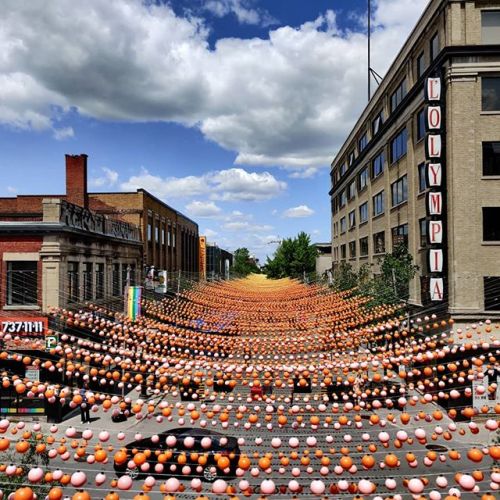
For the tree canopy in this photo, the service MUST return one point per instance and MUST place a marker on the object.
(243, 263)
(293, 258)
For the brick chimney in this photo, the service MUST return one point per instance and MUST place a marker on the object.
(76, 180)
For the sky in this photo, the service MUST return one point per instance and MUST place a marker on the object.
(231, 111)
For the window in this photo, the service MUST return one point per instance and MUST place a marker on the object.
(434, 46)
(163, 235)
(399, 145)
(116, 280)
(352, 249)
(490, 26)
(422, 183)
(150, 229)
(363, 212)
(343, 169)
(363, 246)
(124, 275)
(132, 275)
(420, 64)
(173, 238)
(400, 235)
(491, 223)
(379, 242)
(399, 191)
(88, 290)
(398, 95)
(99, 281)
(351, 190)
(491, 293)
(351, 158)
(423, 232)
(378, 165)
(73, 282)
(420, 124)
(343, 254)
(352, 219)
(157, 233)
(363, 142)
(169, 236)
(342, 198)
(491, 158)
(363, 179)
(377, 123)
(22, 283)
(378, 204)
(342, 225)
(490, 93)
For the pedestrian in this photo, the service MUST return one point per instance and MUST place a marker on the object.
(84, 405)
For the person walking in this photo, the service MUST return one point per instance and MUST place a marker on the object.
(84, 405)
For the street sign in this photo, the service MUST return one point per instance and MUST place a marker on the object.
(51, 342)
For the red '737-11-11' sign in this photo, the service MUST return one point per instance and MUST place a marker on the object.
(23, 333)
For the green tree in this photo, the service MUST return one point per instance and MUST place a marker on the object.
(292, 258)
(344, 277)
(243, 263)
(397, 269)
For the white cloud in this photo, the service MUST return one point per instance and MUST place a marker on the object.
(63, 133)
(203, 209)
(304, 174)
(288, 99)
(246, 226)
(300, 211)
(209, 233)
(109, 178)
(242, 9)
(11, 190)
(234, 184)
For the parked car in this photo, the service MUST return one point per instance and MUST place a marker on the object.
(184, 458)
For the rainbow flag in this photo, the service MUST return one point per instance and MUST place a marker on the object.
(134, 302)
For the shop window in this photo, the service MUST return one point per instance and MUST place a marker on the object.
(399, 191)
(398, 95)
(490, 93)
(363, 212)
(88, 288)
(378, 204)
(490, 26)
(363, 246)
(434, 44)
(423, 232)
(491, 223)
(420, 124)
(363, 179)
(491, 158)
(99, 281)
(116, 280)
(73, 282)
(378, 165)
(22, 283)
(422, 183)
(379, 242)
(400, 235)
(352, 249)
(491, 293)
(420, 64)
(399, 145)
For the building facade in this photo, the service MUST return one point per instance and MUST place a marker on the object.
(323, 258)
(417, 164)
(170, 239)
(219, 262)
(55, 252)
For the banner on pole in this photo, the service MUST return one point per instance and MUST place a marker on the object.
(134, 302)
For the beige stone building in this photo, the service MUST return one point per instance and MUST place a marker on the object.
(381, 176)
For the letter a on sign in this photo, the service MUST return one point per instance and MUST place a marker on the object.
(436, 261)
(436, 289)
(434, 203)
(433, 89)
(435, 232)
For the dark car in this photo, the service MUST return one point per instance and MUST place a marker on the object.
(175, 458)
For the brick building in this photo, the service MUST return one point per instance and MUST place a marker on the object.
(422, 164)
(170, 239)
(218, 262)
(54, 251)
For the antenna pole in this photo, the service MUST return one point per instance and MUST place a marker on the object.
(369, 49)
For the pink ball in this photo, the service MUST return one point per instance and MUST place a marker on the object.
(415, 485)
(267, 487)
(104, 436)
(467, 482)
(243, 485)
(293, 485)
(441, 481)
(172, 485)
(100, 478)
(366, 487)
(78, 479)
(35, 475)
(219, 486)
(318, 487)
(124, 483)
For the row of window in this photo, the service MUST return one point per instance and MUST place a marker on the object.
(170, 241)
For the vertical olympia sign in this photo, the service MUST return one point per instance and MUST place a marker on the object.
(435, 170)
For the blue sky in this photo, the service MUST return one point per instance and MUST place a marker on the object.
(229, 110)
